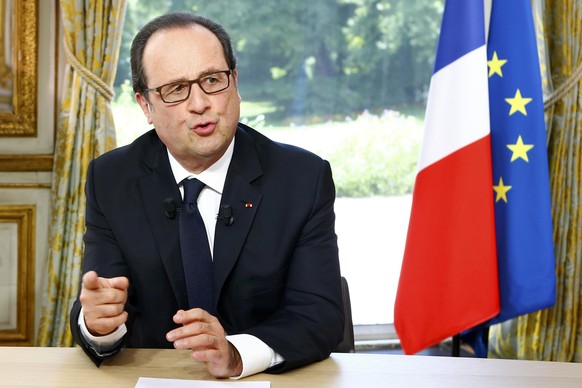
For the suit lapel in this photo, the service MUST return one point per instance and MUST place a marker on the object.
(244, 200)
(154, 188)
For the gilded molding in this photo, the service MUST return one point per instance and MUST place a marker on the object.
(24, 216)
(26, 162)
(21, 120)
(25, 185)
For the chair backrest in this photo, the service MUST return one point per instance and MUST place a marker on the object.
(348, 343)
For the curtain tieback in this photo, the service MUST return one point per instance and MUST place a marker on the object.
(105, 90)
(564, 88)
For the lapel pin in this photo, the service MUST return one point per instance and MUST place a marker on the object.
(247, 204)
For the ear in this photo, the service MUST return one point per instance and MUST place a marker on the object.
(145, 106)
(235, 79)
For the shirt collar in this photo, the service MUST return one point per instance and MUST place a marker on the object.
(213, 177)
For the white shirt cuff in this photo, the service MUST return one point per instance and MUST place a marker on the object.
(256, 355)
(105, 343)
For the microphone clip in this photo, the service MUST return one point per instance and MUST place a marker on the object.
(170, 208)
(225, 215)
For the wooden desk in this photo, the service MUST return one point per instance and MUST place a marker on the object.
(70, 367)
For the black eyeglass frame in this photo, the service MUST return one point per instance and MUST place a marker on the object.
(190, 83)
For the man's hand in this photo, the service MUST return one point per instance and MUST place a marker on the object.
(204, 334)
(103, 302)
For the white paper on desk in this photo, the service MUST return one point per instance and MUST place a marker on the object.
(147, 382)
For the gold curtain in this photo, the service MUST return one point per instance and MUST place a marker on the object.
(555, 334)
(92, 37)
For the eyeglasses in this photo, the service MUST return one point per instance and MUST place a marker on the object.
(179, 91)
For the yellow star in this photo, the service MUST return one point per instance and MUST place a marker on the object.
(519, 149)
(501, 191)
(495, 65)
(518, 103)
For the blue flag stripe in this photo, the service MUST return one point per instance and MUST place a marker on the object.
(458, 20)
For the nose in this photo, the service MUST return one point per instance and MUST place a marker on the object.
(198, 101)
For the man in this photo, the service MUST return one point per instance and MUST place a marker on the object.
(267, 208)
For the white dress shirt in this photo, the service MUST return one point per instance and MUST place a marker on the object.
(255, 354)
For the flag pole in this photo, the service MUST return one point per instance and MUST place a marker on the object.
(456, 345)
(456, 348)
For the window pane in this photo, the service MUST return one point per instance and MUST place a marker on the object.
(346, 79)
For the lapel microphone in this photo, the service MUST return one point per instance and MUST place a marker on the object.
(170, 208)
(225, 215)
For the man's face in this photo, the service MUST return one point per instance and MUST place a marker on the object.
(196, 131)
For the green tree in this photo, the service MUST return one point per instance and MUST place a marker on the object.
(394, 40)
(319, 58)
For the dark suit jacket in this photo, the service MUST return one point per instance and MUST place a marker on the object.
(276, 268)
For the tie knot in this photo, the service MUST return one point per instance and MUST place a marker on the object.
(192, 189)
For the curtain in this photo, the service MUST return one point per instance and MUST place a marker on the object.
(555, 334)
(92, 36)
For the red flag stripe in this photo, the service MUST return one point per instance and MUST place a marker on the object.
(448, 281)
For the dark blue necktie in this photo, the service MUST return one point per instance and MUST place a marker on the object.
(196, 256)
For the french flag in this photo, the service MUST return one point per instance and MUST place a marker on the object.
(449, 277)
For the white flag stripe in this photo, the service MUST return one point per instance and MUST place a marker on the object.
(457, 111)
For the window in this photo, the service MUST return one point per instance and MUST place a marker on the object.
(346, 79)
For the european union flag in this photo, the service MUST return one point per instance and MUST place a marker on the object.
(525, 249)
